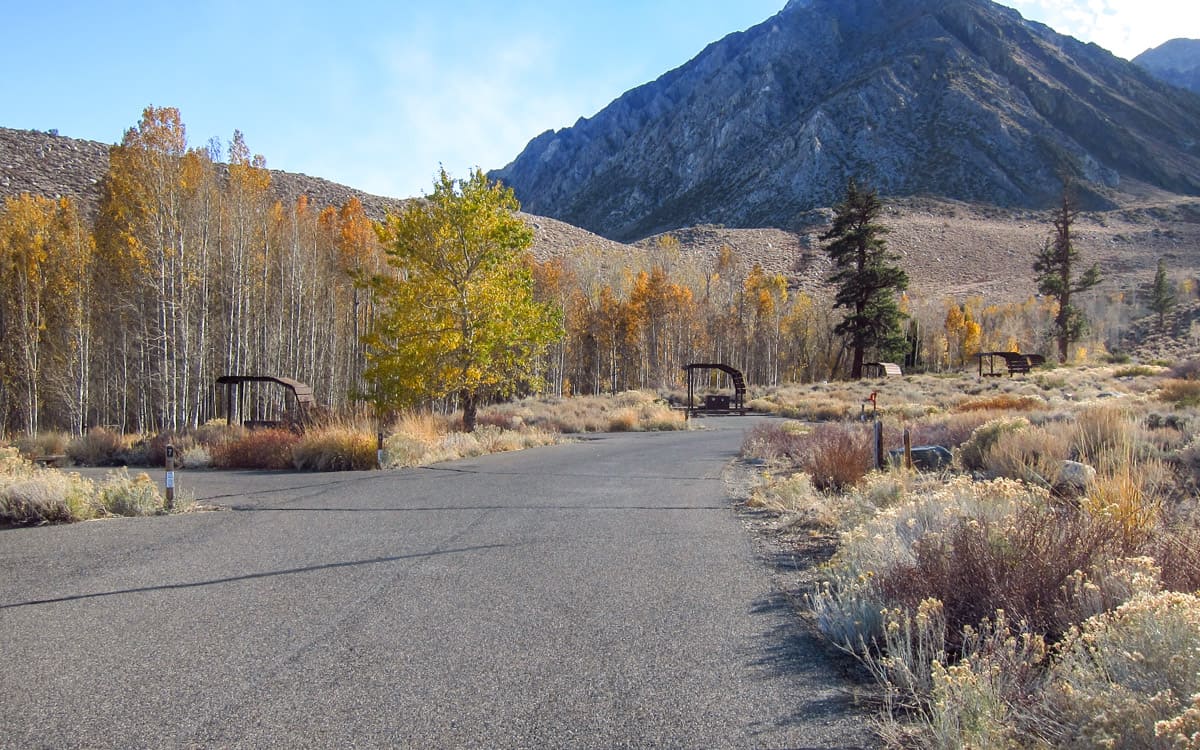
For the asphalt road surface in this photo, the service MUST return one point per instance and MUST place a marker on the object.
(594, 595)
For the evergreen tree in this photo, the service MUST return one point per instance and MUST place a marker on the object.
(1055, 266)
(1162, 294)
(866, 276)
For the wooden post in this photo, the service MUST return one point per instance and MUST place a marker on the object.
(379, 450)
(878, 444)
(908, 464)
(170, 503)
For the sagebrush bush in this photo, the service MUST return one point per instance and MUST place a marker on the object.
(30, 495)
(195, 457)
(1020, 563)
(98, 447)
(334, 449)
(1130, 678)
(257, 449)
(45, 496)
(123, 495)
(973, 453)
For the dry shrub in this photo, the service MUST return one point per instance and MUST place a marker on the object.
(771, 441)
(257, 449)
(1020, 563)
(1180, 392)
(334, 449)
(43, 444)
(195, 457)
(949, 430)
(796, 496)
(98, 447)
(979, 701)
(848, 605)
(819, 410)
(1130, 678)
(973, 453)
(497, 440)
(623, 420)
(1186, 370)
(402, 450)
(216, 431)
(1033, 455)
(838, 456)
(1001, 402)
(1177, 551)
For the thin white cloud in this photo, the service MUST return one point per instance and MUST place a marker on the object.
(476, 107)
(1124, 27)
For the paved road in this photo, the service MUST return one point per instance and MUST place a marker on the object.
(598, 594)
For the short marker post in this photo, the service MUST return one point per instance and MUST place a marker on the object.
(170, 504)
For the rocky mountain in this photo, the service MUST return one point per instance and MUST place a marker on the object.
(1177, 62)
(958, 99)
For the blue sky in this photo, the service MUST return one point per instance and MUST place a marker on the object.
(377, 94)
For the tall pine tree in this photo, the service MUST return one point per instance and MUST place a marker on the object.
(1055, 269)
(866, 276)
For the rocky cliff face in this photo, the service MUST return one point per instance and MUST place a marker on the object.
(1177, 62)
(961, 99)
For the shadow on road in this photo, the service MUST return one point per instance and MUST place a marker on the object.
(250, 576)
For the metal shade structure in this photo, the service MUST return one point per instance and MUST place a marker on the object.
(715, 403)
(302, 394)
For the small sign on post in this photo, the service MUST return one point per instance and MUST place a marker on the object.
(170, 504)
(379, 450)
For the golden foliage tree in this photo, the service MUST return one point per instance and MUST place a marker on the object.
(458, 316)
(45, 267)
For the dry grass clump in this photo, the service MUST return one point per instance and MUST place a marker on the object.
(1180, 392)
(122, 495)
(419, 440)
(1034, 454)
(256, 449)
(629, 411)
(1001, 402)
(43, 444)
(336, 448)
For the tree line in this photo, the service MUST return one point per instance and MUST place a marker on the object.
(192, 268)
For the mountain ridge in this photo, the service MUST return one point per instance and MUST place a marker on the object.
(1177, 62)
(957, 99)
